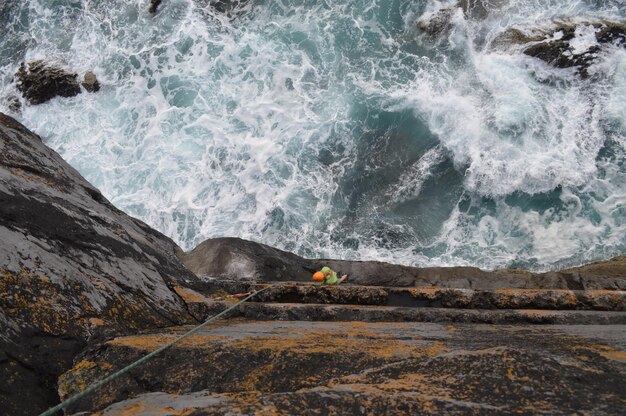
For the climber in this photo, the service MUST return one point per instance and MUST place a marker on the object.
(327, 276)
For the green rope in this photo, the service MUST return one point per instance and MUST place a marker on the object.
(143, 359)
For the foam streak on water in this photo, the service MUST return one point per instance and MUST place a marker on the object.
(337, 128)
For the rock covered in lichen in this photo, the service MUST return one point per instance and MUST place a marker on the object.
(251, 367)
(72, 268)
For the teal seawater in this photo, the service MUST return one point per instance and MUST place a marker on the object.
(339, 129)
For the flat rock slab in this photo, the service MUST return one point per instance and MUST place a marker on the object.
(358, 313)
(260, 367)
(603, 300)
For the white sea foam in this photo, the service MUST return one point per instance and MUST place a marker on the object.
(261, 125)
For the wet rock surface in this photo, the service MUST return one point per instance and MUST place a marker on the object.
(40, 82)
(252, 367)
(90, 82)
(233, 258)
(73, 269)
(567, 44)
(439, 21)
(562, 52)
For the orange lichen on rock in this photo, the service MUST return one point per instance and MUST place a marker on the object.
(152, 342)
(96, 321)
(79, 377)
(22, 294)
(190, 295)
(610, 353)
(258, 377)
(33, 177)
(539, 313)
(370, 343)
(141, 408)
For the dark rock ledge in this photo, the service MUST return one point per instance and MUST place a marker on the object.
(237, 259)
(86, 289)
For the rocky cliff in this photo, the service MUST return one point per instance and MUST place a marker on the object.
(86, 289)
(73, 268)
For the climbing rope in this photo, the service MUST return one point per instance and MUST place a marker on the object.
(143, 359)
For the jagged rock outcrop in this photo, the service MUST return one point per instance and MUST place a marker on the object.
(234, 258)
(561, 43)
(39, 82)
(308, 368)
(73, 269)
(566, 44)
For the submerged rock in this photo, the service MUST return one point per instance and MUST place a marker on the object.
(14, 104)
(40, 82)
(230, 8)
(73, 268)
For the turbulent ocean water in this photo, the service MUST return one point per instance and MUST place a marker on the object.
(338, 128)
